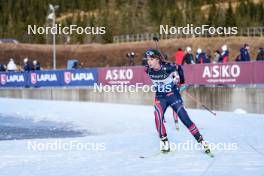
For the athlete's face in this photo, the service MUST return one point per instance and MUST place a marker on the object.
(153, 63)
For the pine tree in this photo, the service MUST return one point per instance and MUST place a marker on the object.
(212, 14)
(230, 19)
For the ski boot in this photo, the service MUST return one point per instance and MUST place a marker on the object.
(164, 145)
(205, 147)
(177, 125)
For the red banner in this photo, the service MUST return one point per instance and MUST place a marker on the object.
(123, 75)
(199, 74)
(231, 73)
(258, 72)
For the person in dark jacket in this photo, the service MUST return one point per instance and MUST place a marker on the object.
(2, 67)
(188, 57)
(201, 57)
(244, 53)
(28, 65)
(36, 65)
(260, 56)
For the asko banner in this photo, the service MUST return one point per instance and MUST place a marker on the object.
(122, 75)
(258, 72)
(13, 79)
(82, 77)
(231, 73)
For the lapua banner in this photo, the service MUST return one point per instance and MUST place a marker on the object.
(45, 78)
(48, 78)
(81, 77)
(13, 79)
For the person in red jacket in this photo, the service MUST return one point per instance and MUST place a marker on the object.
(179, 56)
(224, 54)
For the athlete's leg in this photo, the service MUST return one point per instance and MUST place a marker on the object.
(177, 105)
(175, 116)
(160, 106)
(176, 119)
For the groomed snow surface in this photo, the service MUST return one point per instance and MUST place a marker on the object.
(36, 136)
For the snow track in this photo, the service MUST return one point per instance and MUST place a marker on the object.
(126, 132)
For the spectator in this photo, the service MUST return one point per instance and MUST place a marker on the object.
(208, 59)
(179, 56)
(75, 65)
(260, 56)
(217, 56)
(81, 65)
(11, 66)
(144, 62)
(201, 57)
(224, 55)
(28, 65)
(244, 53)
(188, 57)
(131, 58)
(2, 67)
(166, 56)
(36, 65)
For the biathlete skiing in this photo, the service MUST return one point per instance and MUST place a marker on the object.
(166, 86)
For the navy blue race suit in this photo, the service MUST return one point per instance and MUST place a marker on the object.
(167, 94)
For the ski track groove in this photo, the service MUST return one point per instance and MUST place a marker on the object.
(209, 166)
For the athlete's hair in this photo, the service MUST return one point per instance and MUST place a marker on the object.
(151, 53)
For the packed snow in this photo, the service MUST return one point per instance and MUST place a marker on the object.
(116, 136)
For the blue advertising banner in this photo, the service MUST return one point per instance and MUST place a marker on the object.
(45, 78)
(13, 79)
(81, 77)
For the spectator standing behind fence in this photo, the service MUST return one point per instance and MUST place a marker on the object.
(131, 58)
(188, 57)
(217, 56)
(201, 57)
(28, 65)
(208, 59)
(179, 56)
(224, 55)
(36, 65)
(2, 67)
(11, 66)
(244, 54)
(260, 56)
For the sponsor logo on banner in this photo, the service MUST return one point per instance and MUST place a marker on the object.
(33, 78)
(221, 73)
(16, 78)
(119, 76)
(69, 77)
(42, 77)
(3, 79)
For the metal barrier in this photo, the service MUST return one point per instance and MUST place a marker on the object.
(249, 32)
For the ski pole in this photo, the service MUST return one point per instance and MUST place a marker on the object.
(201, 104)
(183, 88)
(156, 39)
